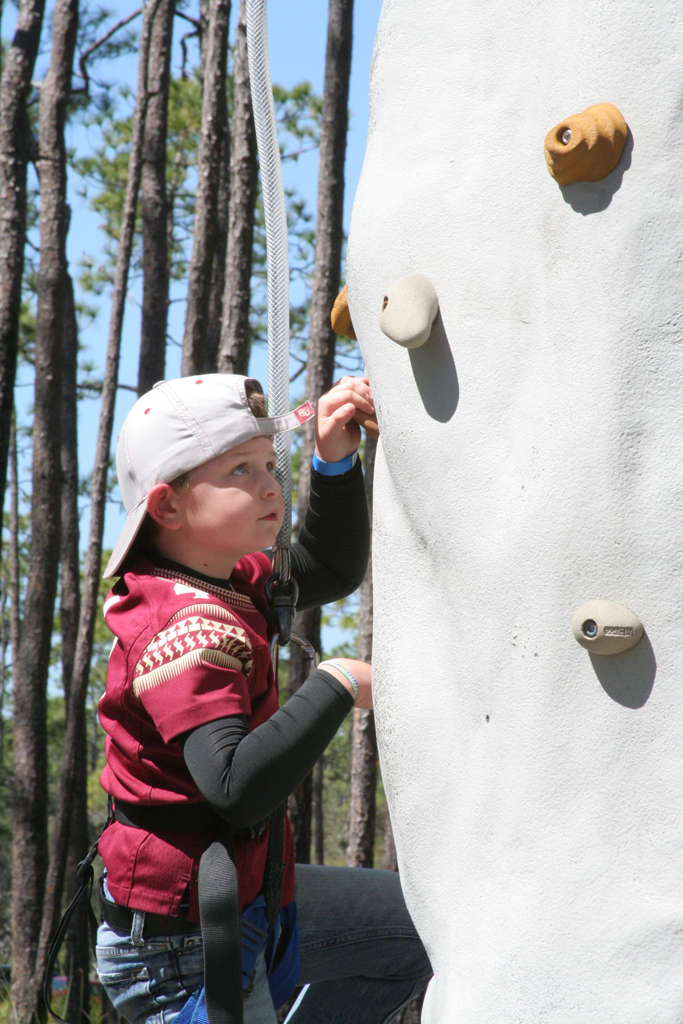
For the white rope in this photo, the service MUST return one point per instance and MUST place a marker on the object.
(277, 251)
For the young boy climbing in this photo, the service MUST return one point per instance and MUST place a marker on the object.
(196, 738)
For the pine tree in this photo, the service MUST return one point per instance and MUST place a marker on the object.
(235, 337)
(31, 662)
(154, 203)
(211, 149)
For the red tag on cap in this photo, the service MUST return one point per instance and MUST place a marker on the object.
(304, 412)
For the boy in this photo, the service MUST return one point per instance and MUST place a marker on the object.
(195, 736)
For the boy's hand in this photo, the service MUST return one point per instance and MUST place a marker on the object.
(336, 433)
(362, 672)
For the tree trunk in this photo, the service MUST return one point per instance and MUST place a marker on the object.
(14, 136)
(301, 801)
(78, 935)
(326, 273)
(360, 852)
(14, 578)
(98, 492)
(154, 203)
(235, 340)
(215, 300)
(214, 127)
(14, 585)
(77, 939)
(29, 843)
(4, 638)
(318, 812)
(14, 569)
(214, 314)
(70, 592)
(203, 35)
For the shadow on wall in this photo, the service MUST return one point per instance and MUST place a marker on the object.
(435, 374)
(586, 197)
(628, 678)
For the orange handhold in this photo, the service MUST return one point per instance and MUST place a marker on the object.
(586, 146)
(368, 423)
(340, 316)
(340, 319)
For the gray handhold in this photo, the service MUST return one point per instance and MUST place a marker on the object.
(409, 309)
(605, 627)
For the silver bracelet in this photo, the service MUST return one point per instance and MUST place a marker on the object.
(345, 672)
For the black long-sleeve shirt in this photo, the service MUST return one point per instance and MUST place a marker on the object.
(243, 775)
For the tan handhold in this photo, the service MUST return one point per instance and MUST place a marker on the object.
(586, 146)
(605, 627)
(409, 309)
(341, 317)
(368, 423)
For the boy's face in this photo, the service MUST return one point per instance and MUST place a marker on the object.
(234, 505)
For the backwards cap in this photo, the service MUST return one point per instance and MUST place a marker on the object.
(177, 426)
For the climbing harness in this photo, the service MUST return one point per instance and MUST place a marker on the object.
(232, 942)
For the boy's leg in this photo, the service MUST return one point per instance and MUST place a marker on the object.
(149, 981)
(360, 953)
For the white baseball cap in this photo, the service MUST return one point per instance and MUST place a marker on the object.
(179, 425)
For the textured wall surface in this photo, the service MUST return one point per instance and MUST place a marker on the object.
(531, 460)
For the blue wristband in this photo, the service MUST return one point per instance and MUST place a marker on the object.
(345, 672)
(334, 468)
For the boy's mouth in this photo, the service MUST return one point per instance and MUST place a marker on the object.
(271, 516)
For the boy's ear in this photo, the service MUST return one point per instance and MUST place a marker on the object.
(163, 507)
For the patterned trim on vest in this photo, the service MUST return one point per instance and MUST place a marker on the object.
(196, 634)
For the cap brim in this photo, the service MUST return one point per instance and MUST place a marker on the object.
(128, 534)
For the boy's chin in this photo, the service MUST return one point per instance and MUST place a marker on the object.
(269, 533)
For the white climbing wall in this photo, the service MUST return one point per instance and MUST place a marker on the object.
(531, 460)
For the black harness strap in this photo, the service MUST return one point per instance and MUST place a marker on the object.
(219, 911)
(199, 817)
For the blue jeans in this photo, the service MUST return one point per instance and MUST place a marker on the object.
(361, 957)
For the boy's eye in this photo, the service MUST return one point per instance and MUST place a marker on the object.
(240, 470)
(271, 467)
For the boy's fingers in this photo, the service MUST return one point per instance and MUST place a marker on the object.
(361, 399)
(343, 415)
(348, 377)
(360, 385)
(341, 418)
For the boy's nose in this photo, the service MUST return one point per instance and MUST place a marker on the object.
(270, 484)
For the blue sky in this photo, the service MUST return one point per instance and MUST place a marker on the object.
(297, 35)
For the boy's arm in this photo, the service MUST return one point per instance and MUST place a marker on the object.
(330, 560)
(331, 557)
(246, 775)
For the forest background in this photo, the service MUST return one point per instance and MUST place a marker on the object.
(132, 248)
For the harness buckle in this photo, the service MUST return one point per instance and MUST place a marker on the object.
(282, 598)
